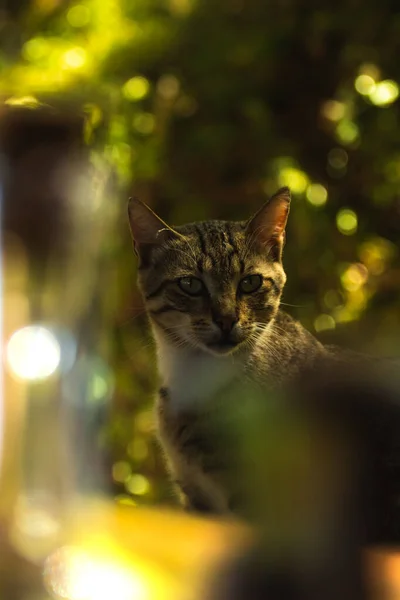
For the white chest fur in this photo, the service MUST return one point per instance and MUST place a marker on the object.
(193, 377)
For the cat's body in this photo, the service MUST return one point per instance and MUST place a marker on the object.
(256, 417)
(196, 392)
(212, 292)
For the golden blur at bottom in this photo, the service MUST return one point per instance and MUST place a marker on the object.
(138, 554)
(77, 574)
(124, 553)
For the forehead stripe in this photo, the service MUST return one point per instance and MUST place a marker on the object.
(201, 239)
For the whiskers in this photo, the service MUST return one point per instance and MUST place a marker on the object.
(258, 339)
(180, 336)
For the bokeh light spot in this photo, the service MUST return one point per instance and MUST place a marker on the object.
(346, 221)
(168, 87)
(296, 179)
(121, 471)
(317, 194)
(35, 49)
(347, 132)
(33, 353)
(138, 485)
(324, 322)
(78, 15)
(364, 85)
(333, 299)
(333, 110)
(376, 253)
(385, 93)
(136, 88)
(354, 277)
(74, 58)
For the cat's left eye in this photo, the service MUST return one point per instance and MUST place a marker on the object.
(250, 284)
(191, 285)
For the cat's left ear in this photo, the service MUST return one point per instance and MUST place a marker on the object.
(267, 228)
(147, 228)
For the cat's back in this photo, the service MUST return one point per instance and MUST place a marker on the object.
(285, 350)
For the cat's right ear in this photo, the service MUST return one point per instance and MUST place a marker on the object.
(267, 228)
(147, 228)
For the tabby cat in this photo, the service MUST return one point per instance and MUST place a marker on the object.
(256, 417)
(212, 292)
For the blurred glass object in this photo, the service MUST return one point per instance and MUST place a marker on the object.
(57, 387)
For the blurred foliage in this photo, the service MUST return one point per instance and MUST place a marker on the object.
(203, 108)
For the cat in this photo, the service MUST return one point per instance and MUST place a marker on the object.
(321, 462)
(212, 292)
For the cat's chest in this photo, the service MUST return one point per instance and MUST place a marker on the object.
(193, 379)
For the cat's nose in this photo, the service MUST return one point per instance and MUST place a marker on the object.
(226, 323)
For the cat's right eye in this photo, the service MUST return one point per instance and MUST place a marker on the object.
(250, 284)
(191, 285)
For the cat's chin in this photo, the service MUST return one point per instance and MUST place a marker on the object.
(222, 348)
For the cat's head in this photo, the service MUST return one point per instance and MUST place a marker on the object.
(214, 285)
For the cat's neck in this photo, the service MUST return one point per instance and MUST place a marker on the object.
(193, 376)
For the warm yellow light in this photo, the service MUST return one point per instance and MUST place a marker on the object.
(297, 180)
(324, 322)
(75, 574)
(125, 500)
(35, 49)
(384, 93)
(347, 132)
(78, 15)
(316, 194)
(333, 110)
(346, 221)
(74, 58)
(364, 85)
(138, 485)
(136, 88)
(28, 101)
(375, 253)
(354, 277)
(33, 353)
(168, 87)
(121, 471)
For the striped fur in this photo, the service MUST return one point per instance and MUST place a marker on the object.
(202, 363)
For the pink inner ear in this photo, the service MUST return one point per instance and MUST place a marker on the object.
(281, 220)
(274, 221)
(268, 225)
